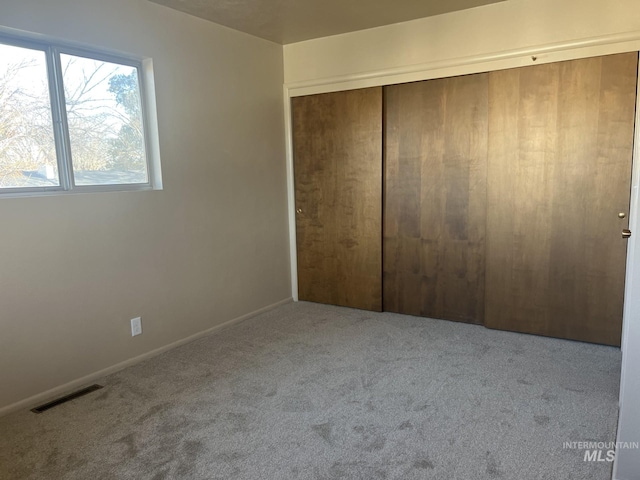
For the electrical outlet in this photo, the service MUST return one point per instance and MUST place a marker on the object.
(136, 326)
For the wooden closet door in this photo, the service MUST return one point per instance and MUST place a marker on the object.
(560, 151)
(337, 141)
(435, 195)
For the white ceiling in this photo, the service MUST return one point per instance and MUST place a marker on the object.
(290, 21)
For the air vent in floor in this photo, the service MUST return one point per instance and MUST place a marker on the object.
(66, 398)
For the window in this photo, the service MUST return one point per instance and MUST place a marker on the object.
(70, 120)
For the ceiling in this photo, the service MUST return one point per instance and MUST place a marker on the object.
(290, 21)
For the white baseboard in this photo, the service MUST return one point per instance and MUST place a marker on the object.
(35, 400)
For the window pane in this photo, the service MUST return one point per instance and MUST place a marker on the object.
(105, 122)
(27, 144)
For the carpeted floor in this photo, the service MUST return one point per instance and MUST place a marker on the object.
(318, 392)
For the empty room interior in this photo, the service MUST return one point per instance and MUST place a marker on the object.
(314, 239)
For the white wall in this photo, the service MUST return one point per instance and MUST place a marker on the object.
(210, 247)
(628, 460)
(502, 35)
(467, 38)
(627, 465)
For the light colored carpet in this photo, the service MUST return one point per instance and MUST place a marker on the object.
(318, 392)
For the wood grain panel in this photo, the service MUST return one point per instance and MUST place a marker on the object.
(559, 167)
(435, 196)
(338, 186)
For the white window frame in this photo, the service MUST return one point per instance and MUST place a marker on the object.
(52, 51)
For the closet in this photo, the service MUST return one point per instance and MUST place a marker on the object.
(337, 146)
(435, 198)
(496, 198)
(559, 173)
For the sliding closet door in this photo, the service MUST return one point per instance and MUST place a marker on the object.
(560, 150)
(435, 197)
(337, 141)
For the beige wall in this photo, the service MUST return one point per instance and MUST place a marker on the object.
(486, 30)
(210, 247)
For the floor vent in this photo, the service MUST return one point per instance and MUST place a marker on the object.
(66, 398)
